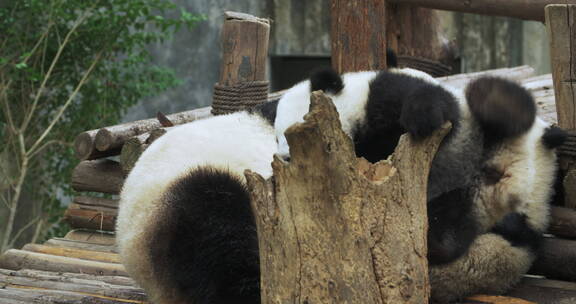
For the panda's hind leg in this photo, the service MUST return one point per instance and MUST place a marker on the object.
(205, 249)
(491, 265)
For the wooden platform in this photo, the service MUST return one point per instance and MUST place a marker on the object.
(84, 266)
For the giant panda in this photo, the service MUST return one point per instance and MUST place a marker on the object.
(185, 230)
(187, 234)
(489, 184)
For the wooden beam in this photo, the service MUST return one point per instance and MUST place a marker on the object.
(557, 260)
(93, 237)
(523, 9)
(358, 34)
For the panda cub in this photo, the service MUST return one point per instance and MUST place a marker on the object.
(490, 181)
(185, 230)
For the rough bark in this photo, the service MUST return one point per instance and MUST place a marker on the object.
(101, 175)
(523, 9)
(358, 31)
(336, 229)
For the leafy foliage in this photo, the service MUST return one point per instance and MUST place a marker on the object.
(67, 66)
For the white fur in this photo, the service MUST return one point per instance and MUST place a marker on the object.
(234, 142)
(529, 168)
(350, 103)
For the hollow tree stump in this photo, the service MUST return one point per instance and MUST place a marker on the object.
(334, 228)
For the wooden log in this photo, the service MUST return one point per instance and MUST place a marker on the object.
(357, 234)
(131, 151)
(19, 259)
(85, 148)
(91, 287)
(563, 222)
(155, 134)
(244, 43)
(79, 218)
(65, 243)
(69, 277)
(113, 137)
(74, 253)
(95, 237)
(101, 175)
(96, 202)
(545, 291)
(523, 9)
(358, 31)
(557, 260)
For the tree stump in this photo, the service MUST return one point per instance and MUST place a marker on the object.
(334, 228)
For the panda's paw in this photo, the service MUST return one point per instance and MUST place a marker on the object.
(426, 109)
(515, 229)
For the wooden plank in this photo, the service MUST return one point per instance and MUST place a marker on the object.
(358, 32)
(74, 253)
(19, 259)
(91, 287)
(96, 202)
(95, 218)
(516, 73)
(44, 296)
(523, 9)
(69, 277)
(95, 237)
(101, 175)
(64, 243)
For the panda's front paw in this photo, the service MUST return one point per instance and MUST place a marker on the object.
(516, 230)
(426, 109)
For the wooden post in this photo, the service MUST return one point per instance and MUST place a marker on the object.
(242, 81)
(415, 34)
(244, 48)
(561, 26)
(358, 33)
(333, 228)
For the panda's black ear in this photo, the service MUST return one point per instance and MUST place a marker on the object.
(327, 80)
(554, 137)
(502, 107)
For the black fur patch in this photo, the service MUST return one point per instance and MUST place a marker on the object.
(514, 228)
(399, 103)
(326, 80)
(391, 58)
(554, 137)
(502, 107)
(206, 247)
(452, 227)
(266, 110)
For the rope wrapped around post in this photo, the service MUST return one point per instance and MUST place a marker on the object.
(228, 99)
